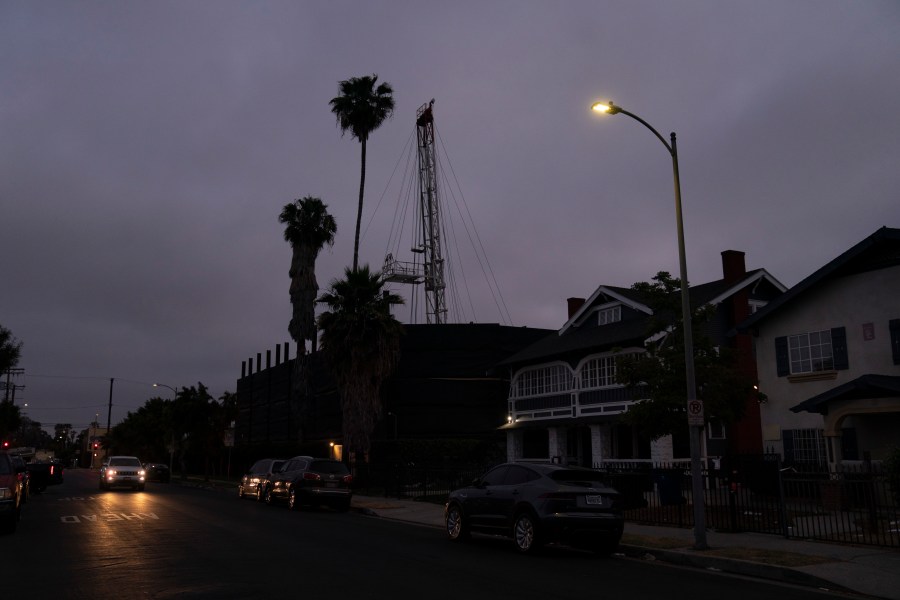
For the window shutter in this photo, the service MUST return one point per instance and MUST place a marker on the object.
(895, 340)
(782, 359)
(839, 348)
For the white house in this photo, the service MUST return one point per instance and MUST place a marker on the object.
(828, 358)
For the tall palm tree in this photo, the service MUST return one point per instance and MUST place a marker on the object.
(361, 108)
(308, 228)
(361, 343)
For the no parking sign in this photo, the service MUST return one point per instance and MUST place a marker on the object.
(695, 413)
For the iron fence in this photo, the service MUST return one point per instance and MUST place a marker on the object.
(744, 494)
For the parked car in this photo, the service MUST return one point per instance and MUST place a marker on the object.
(304, 480)
(535, 504)
(157, 472)
(254, 482)
(122, 471)
(43, 473)
(10, 495)
(22, 473)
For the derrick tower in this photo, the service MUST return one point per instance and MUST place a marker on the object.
(431, 270)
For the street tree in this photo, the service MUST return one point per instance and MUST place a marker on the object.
(361, 343)
(660, 371)
(361, 108)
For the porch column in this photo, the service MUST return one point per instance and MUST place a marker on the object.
(600, 444)
(513, 445)
(557, 439)
(834, 450)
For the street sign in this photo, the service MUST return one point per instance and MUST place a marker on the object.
(695, 413)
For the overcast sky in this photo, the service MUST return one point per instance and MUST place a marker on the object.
(147, 148)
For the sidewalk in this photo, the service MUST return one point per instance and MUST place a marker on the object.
(864, 570)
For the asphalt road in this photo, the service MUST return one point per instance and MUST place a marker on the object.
(75, 541)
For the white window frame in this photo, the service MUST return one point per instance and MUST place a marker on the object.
(542, 380)
(810, 352)
(609, 314)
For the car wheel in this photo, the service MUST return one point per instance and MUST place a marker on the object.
(525, 533)
(293, 501)
(457, 525)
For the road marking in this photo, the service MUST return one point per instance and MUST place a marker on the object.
(108, 517)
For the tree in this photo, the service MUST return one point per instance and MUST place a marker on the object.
(10, 349)
(308, 228)
(361, 108)
(660, 372)
(361, 343)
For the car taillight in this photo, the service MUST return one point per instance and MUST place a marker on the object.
(347, 478)
(51, 469)
(312, 476)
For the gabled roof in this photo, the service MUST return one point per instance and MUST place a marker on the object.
(867, 386)
(878, 251)
(626, 296)
(571, 339)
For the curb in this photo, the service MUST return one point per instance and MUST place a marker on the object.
(734, 566)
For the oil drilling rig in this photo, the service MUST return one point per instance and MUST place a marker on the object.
(430, 270)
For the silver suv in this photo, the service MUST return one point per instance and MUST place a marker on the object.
(122, 471)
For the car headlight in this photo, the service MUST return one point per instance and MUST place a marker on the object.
(141, 473)
(110, 472)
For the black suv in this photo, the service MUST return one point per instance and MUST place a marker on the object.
(539, 503)
(304, 480)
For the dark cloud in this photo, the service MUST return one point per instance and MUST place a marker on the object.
(148, 148)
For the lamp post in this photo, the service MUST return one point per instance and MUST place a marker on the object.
(694, 405)
(172, 439)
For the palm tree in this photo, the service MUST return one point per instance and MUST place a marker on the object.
(361, 343)
(308, 228)
(361, 108)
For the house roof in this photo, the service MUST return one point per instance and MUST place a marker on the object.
(573, 340)
(867, 386)
(878, 251)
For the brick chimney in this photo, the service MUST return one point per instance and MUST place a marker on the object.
(733, 266)
(574, 305)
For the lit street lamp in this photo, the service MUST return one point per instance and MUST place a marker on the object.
(694, 405)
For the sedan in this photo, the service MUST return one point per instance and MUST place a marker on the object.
(254, 482)
(535, 504)
(311, 481)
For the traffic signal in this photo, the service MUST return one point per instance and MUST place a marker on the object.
(5, 445)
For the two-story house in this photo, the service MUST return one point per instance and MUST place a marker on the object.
(565, 402)
(828, 356)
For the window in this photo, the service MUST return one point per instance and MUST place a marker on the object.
(804, 446)
(543, 380)
(812, 352)
(609, 315)
(598, 372)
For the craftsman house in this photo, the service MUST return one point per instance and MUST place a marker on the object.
(564, 401)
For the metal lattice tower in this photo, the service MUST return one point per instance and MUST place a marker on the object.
(430, 208)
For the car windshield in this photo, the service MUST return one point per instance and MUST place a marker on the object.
(124, 462)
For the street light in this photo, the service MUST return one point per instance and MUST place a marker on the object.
(172, 441)
(694, 405)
